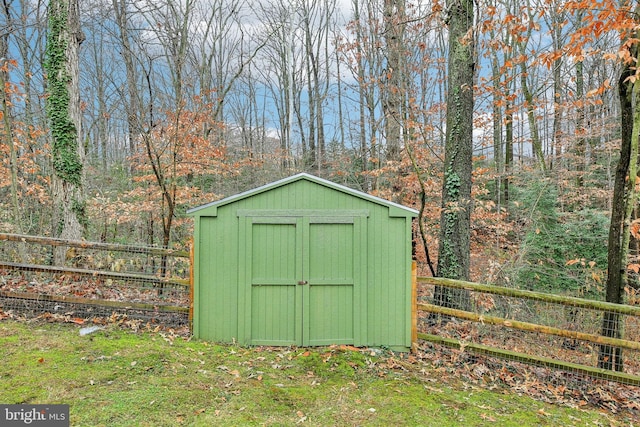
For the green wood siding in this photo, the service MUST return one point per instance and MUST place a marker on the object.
(351, 252)
(215, 275)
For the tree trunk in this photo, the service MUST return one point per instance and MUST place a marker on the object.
(311, 162)
(611, 357)
(133, 104)
(64, 114)
(521, 42)
(508, 152)
(393, 86)
(536, 142)
(455, 219)
(498, 151)
(362, 99)
(581, 142)
(7, 121)
(555, 23)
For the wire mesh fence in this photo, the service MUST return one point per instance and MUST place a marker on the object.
(575, 335)
(42, 276)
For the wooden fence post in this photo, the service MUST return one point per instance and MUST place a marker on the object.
(191, 274)
(414, 306)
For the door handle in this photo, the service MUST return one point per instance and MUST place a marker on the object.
(303, 282)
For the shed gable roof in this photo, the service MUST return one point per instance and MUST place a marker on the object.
(395, 209)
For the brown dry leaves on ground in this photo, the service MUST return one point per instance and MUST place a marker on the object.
(543, 384)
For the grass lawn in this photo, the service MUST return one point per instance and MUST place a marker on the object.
(116, 377)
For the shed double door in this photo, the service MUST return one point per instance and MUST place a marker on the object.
(302, 280)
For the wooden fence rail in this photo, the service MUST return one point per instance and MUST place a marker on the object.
(539, 296)
(621, 377)
(95, 273)
(51, 241)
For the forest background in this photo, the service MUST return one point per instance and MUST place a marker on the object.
(182, 103)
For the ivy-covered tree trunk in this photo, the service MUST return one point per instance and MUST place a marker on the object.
(455, 217)
(64, 115)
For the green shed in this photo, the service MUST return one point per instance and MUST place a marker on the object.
(303, 261)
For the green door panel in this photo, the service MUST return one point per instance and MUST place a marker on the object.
(275, 296)
(329, 312)
(273, 254)
(330, 315)
(273, 317)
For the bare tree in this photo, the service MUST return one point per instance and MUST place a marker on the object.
(317, 20)
(394, 76)
(280, 71)
(7, 113)
(99, 83)
(554, 19)
(498, 49)
(133, 103)
(365, 61)
(530, 99)
(364, 95)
